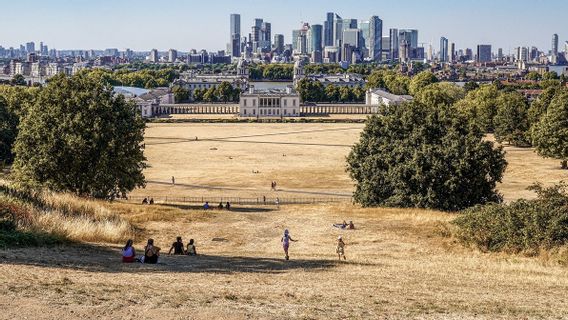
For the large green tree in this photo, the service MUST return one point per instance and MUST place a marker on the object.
(78, 136)
(511, 120)
(8, 131)
(420, 81)
(550, 134)
(481, 106)
(427, 156)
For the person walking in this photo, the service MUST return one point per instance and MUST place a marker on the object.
(340, 250)
(286, 243)
(173, 181)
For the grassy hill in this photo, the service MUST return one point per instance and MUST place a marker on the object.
(400, 264)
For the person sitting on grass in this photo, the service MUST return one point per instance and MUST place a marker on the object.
(340, 250)
(151, 252)
(220, 206)
(341, 225)
(128, 252)
(228, 206)
(151, 200)
(206, 206)
(351, 225)
(145, 201)
(191, 250)
(177, 247)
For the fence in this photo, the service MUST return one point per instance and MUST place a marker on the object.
(240, 201)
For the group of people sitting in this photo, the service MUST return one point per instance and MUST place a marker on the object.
(152, 252)
(146, 201)
(227, 206)
(345, 225)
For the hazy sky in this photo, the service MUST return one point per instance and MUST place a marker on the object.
(189, 24)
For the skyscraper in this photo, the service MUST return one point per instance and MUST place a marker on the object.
(30, 47)
(328, 29)
(554, 57)
(452, 52)
(394, 43)
(443, 49)
(172, 55)
(266, 36)
(351, 37)
(279, 43)
(315, 35)
(375, 38)
(154, 58)
(410, 35)
(484, 53)
(235, 35)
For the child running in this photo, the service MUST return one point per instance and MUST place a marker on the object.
(286, 243)
(340, 250)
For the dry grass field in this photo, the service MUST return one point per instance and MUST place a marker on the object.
(401, 264)
(306, 159)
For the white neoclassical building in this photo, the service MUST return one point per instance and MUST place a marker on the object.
(269, 103)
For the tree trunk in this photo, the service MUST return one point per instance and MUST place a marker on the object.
(564, 164)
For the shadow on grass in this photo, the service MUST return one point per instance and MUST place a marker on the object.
(215, 210)
(92, 258)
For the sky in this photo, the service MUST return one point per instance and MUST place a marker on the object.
(189, 24)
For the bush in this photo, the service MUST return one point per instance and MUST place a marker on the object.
(523, 225)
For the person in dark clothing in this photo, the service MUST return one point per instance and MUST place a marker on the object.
(220, 207)
(177, 247)
(228, 206)
(151, 252)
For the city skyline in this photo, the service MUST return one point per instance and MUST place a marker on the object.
(66, 24)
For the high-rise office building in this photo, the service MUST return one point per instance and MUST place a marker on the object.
(394, 44)
(443, 49)
(452, 52)
(30, 47)
(154, 58)
(375, 44)
(351, 37)
(279, 43)
(364, 26)
(315, 36)
(328, 29)
(266, 36)
(483, 53)
(386, 48)
(554, 53)
(172, 55)
(468, 54)
(500, 54)
(235, 35)
(337, 30)
(410, 35)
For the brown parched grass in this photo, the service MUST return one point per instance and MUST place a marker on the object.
(69, 217)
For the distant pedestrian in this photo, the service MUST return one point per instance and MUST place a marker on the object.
(206, 206)
(145, 201)
(228, 206)
(173, 180)
(151, 200)
(340, 250)
(286, 243)
(264, 199)
(277, 202)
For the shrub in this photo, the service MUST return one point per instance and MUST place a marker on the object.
(523, 225)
